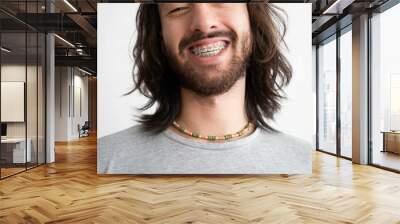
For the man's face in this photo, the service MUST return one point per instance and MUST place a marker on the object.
(207, 44)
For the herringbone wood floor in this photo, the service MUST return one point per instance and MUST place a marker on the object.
(70, 191)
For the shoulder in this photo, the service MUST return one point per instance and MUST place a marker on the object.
(120, 145)
(134, 134)
(294, 149)
(285, 139)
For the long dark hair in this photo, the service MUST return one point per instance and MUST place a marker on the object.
(268, 70)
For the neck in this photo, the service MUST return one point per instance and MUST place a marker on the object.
(214, 115)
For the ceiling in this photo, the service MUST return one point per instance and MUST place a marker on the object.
(76, 22)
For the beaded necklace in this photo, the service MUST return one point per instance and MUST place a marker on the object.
(212, 137)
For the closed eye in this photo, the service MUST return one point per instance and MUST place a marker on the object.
(177, 10)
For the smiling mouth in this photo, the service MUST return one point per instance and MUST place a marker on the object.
(209, 50)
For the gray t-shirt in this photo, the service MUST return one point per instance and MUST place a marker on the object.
(133, 151)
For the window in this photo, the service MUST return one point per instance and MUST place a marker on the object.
(327, 95)
(385, 88)
(346, 93)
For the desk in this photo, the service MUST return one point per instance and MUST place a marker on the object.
(391, 141)
(15, 148)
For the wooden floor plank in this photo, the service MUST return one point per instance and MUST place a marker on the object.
(70, 191)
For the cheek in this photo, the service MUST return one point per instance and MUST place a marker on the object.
(243, 26)
(242, 23)
(171, 37)
(243, 29)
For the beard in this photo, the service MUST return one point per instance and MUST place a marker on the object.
(197, 79)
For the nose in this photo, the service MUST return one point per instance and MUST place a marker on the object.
(203, 19)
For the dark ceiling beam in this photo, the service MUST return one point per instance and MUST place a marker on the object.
(163, 1)
(86, 51)
(331, 30)
(64, 7)
(84, 61)
(49, 22)
(337, 7)
(321, 22)
(289, 1)
(381, 5)
(89, 70)
(91, 5)
(9, 25)
(16, 18)
(86, 26)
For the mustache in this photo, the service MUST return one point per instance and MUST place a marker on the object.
(200, 35)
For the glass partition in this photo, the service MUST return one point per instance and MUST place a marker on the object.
(34, 44)
(15, 152)
(327, 95)
(31, 100)
(385, 89)
(41, 91)
(346, 93)
(22, 77)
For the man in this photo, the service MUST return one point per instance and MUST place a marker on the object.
(215, 73)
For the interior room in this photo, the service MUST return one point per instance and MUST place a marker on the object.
(49, 126)
(22, 104)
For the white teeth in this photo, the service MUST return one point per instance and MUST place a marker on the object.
(208, 50)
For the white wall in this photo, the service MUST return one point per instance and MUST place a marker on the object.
(116, 35)
(12, 101)
(61, 103)
(33, 126)
(17, 72)
(80, 83)
(14, 73)
(69, 79)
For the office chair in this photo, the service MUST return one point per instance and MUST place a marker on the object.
(84, 130)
